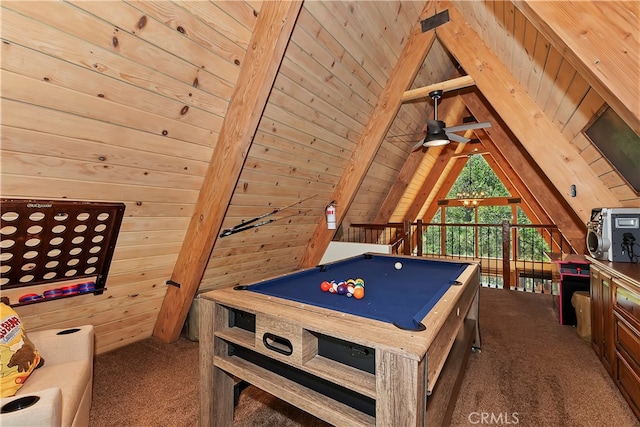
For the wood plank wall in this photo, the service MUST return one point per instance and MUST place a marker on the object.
(336, 64)
(115, 101)
(549, 79)
(124, 101)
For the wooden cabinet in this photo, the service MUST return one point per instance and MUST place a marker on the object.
(601, 316)
(615, 320)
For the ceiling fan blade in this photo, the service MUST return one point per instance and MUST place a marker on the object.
(457, 138)
(418, 145)
(469, 126)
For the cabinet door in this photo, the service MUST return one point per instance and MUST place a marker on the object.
(607, 324)
(596, 312)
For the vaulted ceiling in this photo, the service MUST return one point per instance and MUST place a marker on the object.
(202, 115)
(527, 87)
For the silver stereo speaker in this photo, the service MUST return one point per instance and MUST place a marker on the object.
(614, 234)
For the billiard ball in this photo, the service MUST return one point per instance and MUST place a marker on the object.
(325, 286)
(398, 265)
(358, 293)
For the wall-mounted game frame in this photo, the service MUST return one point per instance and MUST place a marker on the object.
(52, 249)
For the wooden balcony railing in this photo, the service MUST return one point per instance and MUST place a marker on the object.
(511, 256)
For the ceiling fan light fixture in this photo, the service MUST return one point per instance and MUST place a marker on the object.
(436, 140)
(436, 136)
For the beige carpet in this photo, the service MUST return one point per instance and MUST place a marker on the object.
(531, 372)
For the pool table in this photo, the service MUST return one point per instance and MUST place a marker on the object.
(395, 357)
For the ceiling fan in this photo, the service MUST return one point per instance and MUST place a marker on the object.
(437, 131)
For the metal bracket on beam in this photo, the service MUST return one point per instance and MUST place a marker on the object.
(435, 21)
(172, 283)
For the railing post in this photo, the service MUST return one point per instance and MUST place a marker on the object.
(506, 255)
(419, 236)
(407, 237)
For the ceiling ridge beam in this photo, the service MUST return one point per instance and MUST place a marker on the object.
(555, 156)
(402, 76)
(446, 86)
(264, 55)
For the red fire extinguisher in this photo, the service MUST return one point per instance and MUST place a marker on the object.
(331, 215)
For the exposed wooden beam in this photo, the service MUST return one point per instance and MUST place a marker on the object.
(546, 195)
(270, 37)
(601, 39)
(559, 161)
(487, 201)
(453, 84)
(402, 76)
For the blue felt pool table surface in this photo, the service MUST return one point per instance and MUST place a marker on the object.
(399, 296)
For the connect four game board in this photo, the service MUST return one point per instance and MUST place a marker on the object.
(48, 242)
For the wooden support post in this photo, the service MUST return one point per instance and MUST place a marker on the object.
(406, 230)
(419, 236)
(506, 255)
(266, 50)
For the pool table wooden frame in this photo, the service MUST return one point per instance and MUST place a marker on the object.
(417, 373)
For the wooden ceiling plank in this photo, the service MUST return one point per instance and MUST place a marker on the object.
(526, 120)
(509, 22)
(497, 27)
(518, 56)
(548, 78)
(590, 105)
(571, 102)
(530, 36)
(257, 75)
(411, 59)
(565, 76)
(540, 55)
(600, 39)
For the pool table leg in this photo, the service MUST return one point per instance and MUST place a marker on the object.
(401, 385)
(216, 385)
(474, 313)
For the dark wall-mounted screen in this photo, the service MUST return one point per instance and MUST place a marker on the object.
(619, 144)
